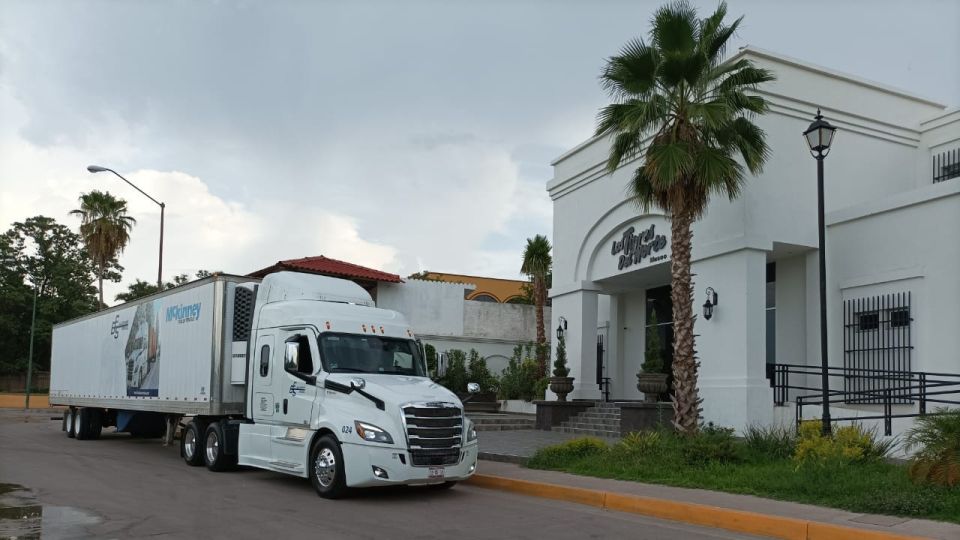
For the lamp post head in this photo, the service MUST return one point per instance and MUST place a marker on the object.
(96, 168)
(819, 136)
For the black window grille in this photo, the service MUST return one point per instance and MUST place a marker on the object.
(877, 348)
(946, 165)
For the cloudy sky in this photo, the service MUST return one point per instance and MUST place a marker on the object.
(399, 135)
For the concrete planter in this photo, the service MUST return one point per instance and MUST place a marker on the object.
(652, 385)
(561, 386)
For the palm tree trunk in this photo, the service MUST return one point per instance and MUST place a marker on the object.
(539, 299)
(686, 399)
(100, 280)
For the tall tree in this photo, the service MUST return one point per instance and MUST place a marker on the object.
(40, 255)
(687, 115)
(140, 288)
(537, 264)
(105, 228)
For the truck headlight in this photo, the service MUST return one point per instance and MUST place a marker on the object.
(372, 433)
(471, 431)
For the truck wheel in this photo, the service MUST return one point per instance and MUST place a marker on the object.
(191, 443)
(327, 472)
(80, 424)
(93, 421)
(213, 456)
(68, 422)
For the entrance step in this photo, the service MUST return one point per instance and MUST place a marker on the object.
(601, 420)
(482, 406)
(502, 422)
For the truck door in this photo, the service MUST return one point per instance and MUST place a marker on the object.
(263, 400)
(298, 390)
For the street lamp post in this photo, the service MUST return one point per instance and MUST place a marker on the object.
(819, 136)
(33, 323)
(96, 169)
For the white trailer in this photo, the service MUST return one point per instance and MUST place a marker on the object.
(298, 374)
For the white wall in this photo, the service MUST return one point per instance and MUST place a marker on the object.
(431, 307)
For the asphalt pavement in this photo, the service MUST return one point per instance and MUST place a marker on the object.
(119, 487)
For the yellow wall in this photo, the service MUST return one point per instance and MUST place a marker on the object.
(501, 289)
(16, 401)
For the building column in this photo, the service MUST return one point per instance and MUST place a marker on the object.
(731, 346)
(579, 308)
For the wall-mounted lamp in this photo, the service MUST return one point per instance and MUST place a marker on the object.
(710, 303)
(562, 327)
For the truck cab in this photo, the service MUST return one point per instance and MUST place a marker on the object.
(337, 391)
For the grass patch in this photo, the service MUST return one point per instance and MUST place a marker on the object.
(761, 464)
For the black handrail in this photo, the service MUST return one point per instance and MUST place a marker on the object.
(902, 389)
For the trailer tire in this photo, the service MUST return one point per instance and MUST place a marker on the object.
(81, 430)
(327, 471)
(191, 443)
(213, 450)
(68, 422)
(93, 422)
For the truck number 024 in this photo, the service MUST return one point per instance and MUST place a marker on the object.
(346, 429)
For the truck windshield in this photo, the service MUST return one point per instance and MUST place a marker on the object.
(350, 353)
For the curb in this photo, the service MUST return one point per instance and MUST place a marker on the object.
(695, 514)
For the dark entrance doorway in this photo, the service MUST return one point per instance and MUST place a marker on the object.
(659, 330)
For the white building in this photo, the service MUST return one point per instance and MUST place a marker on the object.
(893, 237)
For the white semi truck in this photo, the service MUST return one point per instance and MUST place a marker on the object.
(297, 373)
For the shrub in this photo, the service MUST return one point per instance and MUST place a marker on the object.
(560, 368)
(519, 380)
(711, 444)
(430, 352)
(652, 355)
(847, 444)
(455, 378)
(937, 438)
(774, 441)
(641, 442)
(477, 372)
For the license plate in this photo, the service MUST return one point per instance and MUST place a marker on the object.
(436, 472)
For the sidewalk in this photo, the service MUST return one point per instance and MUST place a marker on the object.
(791, 514)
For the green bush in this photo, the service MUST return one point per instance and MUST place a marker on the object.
(572, 450)
(519, 380)
(772, 442)
(560, 368)
(937, 440)
(922, 502)
(846, 444)
(430, 352)
(712, 444)
(641, 442)
(455, 378)
(477, 372)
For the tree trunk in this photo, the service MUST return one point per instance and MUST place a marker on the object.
(539, 299)
(100, 280)
(686, 399)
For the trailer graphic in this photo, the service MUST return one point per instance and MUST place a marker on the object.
(142, 352)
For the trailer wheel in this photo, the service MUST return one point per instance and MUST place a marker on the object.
(327, 472)
(92, 420)
(68, 422)
(213, 455)
(80, 430)
(191, 444)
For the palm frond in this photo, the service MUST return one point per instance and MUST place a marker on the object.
(633, 72)
(674, 28)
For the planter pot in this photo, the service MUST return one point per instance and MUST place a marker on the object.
(561, 386)
(652, 385)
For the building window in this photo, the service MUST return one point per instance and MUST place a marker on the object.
(771, 314)
(877, 348)
(484, 297)
(868, 321)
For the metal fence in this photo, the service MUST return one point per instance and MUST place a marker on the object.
(889, 389)
(946, 165)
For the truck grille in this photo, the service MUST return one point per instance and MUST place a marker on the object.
(434, 433)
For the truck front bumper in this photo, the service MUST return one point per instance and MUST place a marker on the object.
(395, 466)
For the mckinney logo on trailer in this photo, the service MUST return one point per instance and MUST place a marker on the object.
(116, 326)
(183, 313)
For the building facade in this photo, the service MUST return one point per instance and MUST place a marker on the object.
(892, 201)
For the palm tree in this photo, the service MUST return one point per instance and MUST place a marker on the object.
(105, 228)
(537, 263)
(686, 114)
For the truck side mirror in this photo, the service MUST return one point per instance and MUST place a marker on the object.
(473, 388)
(291, 356)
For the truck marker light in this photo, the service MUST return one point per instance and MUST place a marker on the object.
(364, 328)
(328, 325)
(381, 330)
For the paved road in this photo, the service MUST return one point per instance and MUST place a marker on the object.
(118, 487)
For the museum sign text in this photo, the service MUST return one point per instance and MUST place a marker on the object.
(634, 248)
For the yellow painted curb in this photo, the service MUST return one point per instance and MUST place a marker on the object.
(696, 514)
